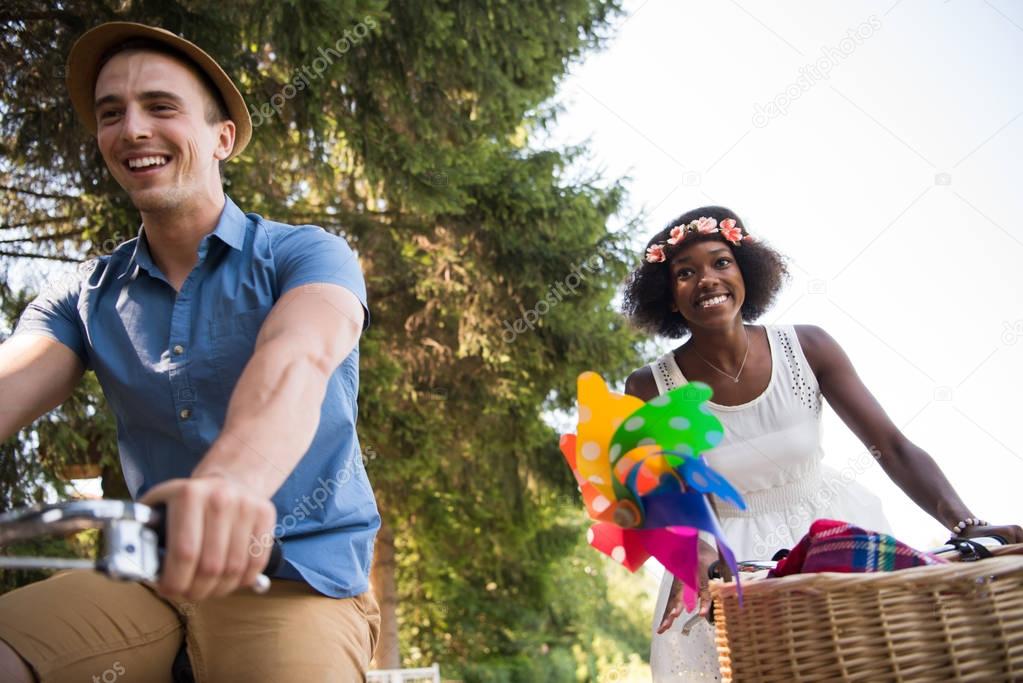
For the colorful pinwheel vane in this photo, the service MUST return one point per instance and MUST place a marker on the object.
(643, 477)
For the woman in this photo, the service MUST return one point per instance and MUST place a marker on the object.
(706, 276)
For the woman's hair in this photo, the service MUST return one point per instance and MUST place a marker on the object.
(648, 289)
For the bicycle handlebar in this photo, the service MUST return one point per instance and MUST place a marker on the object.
(133, 537)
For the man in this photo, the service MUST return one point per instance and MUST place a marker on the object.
(227, 347)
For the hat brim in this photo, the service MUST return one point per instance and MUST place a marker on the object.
(83, 65)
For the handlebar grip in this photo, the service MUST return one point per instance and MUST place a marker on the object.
(276, 558)
(159, 525)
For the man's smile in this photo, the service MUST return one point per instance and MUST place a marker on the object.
(147, 164)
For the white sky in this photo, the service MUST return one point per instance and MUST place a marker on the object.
(913, 272)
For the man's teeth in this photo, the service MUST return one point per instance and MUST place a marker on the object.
(713, 302)
(143, 162)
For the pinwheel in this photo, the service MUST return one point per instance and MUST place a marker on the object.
(643, 478)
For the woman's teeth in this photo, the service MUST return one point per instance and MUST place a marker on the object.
(707, 303)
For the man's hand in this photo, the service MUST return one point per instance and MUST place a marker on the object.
(211, 522)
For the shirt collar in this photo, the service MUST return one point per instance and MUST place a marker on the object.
(231, 226)
(230, 230)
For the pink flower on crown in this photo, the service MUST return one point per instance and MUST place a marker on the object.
(728, 224)
(678, 233)
(732, 233)
(655, 254)
(705, 225)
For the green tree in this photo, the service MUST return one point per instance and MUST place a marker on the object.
(406, 128)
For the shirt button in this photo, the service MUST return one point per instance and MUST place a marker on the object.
(178, 349)
(185, 413)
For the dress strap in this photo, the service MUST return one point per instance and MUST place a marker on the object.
(802, 381)
(667, 374)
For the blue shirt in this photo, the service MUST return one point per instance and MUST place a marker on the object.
(168, 362)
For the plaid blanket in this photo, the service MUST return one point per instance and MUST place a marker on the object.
(833, 546)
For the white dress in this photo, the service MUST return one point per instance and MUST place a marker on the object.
(772, 454)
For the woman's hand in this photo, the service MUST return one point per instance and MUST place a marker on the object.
(676, 605)
(1012, 533)
(674, 608)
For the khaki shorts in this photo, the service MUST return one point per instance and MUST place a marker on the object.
(82, 626)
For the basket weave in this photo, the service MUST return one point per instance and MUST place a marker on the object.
(954, 622)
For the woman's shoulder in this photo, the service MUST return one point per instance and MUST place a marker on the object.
(816, 344)
(641, 384)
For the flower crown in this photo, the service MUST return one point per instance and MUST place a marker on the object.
(728, 228)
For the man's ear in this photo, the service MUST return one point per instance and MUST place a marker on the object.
(225, 139)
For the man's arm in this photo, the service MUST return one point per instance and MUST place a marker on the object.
(275, 409)
(37, 374)
(271, 420)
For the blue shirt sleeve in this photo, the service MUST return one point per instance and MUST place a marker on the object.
(308, 254)
(54, 314)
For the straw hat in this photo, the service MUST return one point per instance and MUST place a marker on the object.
(83, 65)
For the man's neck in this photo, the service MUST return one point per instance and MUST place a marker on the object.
(173, 236)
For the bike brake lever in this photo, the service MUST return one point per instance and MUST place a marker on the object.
(128, 547)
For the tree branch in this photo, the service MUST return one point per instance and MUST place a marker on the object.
(40, 221)
(42, 195)
(37, 239)
(66, 259)
(69, 18)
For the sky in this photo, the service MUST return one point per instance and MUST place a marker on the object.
(879, 146)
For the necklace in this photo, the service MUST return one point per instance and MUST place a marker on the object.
(741, 365)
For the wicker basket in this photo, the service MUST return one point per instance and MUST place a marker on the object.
(954, 622)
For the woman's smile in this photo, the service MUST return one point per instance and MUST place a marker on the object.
(712, 300)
